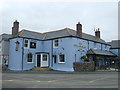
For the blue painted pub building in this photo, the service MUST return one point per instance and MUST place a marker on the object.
(56, 49)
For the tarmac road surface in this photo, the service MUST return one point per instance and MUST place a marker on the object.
(59, 80)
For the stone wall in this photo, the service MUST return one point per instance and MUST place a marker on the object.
(83, 66)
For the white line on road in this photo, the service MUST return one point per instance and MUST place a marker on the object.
(8, 80)
(97, 79)
(52, 81)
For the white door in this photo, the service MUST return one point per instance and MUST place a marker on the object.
(44, 60)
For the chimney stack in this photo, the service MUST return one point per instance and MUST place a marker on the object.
(15, 28)
(97, 33)
(79, 29)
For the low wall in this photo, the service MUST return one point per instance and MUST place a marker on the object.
(83, 66)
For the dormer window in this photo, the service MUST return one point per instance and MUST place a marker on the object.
(56, 43)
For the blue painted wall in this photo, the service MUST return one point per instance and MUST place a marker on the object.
(15, 57)
(38, 48)
(72, 48)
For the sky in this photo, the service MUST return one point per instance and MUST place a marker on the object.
(44, 16)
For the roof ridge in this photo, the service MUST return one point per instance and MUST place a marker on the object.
(30, 31)
(68, 30)
(54, 31)
(44, 36)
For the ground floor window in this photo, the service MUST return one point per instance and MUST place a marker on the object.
(61, 58)
(29, 57)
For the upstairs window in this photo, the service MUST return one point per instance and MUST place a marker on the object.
(32, 45)
(56, 43)
(26, 43)
(62, 58)
(29, 58)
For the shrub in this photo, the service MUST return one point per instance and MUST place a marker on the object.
(85, 58)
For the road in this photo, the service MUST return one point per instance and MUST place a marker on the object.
(60, 80)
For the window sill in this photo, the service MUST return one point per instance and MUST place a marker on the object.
(30, 62)
(26, 48)
(55, 47)
(61, 62)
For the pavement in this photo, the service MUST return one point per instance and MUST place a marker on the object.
(57, 79)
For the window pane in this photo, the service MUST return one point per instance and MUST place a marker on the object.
(55, 43)
(62, 58)
(44, 57)
(29, 57)
(25, 43)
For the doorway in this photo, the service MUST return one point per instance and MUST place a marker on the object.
(42, 60)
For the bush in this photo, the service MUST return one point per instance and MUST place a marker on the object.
(86, 59)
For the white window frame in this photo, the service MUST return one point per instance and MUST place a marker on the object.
(59, 58)
(55, 43)
(27, 44)
(32, 58)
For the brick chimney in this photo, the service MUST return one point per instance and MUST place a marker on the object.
(97, 33)
(15, 28)
(79, 29)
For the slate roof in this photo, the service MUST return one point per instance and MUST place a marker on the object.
(5, 36)
(57, 34)
(114, 44)
(100, 52)
(31, 34)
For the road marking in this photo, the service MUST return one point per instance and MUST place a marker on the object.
(9, 80)
(38, 81)
(51, 81)
(97, 79)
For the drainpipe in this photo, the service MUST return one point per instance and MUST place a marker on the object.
(52, 54)
(22, 52)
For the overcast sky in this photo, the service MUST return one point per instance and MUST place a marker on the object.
(50, 16)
